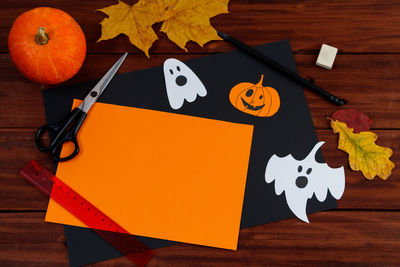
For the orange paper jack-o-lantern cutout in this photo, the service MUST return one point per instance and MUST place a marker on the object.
(255, 99)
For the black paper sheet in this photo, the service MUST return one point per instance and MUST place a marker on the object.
(289, 131)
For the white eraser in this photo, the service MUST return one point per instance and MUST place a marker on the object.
(326, 56)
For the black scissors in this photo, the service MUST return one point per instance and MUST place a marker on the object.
(67, 130)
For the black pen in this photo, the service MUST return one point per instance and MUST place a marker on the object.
(282, 69)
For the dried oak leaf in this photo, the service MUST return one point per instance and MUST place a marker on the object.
(183, 20)
(364, 154)
(354, 119)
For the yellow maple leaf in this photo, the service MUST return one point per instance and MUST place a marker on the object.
(133, 21)
(190, 20)
(183, 20)
(364, 154)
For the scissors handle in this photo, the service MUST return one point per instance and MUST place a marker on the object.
(63, 132)
(51, 129)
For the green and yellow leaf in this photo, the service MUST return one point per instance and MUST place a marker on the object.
(364, 154)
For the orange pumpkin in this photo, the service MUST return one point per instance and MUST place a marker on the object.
(47, 45)
(255, 99)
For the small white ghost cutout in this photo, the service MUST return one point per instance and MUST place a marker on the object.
(181, 83)
(301, 179)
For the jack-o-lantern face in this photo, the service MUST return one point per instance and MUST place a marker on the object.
(254, 99)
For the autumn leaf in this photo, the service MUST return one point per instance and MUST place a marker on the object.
(133, 21)
(190, 20)
(364, 154)
(183, 20)
(354, 119)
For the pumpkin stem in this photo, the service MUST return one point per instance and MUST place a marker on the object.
(41, 37)
(261, 81)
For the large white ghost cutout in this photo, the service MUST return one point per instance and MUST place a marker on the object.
(300, 179)
(181, 83)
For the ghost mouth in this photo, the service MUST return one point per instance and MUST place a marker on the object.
(301, 181)
(251, 107)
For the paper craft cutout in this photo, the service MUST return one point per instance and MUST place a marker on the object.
(255, 99)
(301, 179)
(161, 175)
(181, 83)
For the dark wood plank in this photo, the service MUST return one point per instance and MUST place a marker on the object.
(331, 238)
(338, 237)
(17, 148)
(352, 26)
(369, 82)
(27, 241)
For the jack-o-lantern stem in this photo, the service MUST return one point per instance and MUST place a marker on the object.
(41, 38)
(259, 84)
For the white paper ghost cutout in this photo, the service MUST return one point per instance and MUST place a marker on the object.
(300, 179)
(182, 83)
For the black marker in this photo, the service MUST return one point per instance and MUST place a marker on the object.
(282, 69)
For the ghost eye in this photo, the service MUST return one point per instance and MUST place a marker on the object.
(261, 96)
(249, 92)
(309, 171)
(179, 69)
(171, 71)
(299, 169)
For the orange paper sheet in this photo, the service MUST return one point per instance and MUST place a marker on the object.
(160, 174)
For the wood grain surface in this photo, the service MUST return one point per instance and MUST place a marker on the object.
(334, 237)
(363, 231)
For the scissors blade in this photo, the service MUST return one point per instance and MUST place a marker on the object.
(98, 89)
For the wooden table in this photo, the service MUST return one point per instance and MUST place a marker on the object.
(365, 229)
